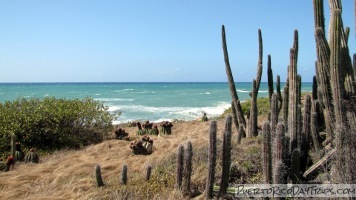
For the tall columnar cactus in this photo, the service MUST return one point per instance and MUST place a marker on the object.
(335, 67)
(240, 133)
(279, 155)
(306, 118)
(148, 172)
(267, 153)
(314, 131)
(211, 160)
(226, 157)
(270, 78)
(354, 63)
(274, 113)
(315, 89)
(279, 94)
(259, 63)
(299, 88)
(285, 104)
(124, 175)
(188, 168)
(305, 134)
(240, 116)
(279, 173)
(299, 125)
(234, 115)
(253, 112)
(279, 144)
(293, 96)
(344, 160)
(295, 169)
(99, 179)
(323, 67)
(260, 57)
(334, 57)
(319, 19)
(180, 167)
(252, 123)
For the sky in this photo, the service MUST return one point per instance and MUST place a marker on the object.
(155, 41)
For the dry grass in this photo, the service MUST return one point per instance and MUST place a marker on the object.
(69, 174)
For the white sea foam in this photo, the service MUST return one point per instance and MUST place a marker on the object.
(124, 90)
(204, 93)
(157, 114)
(113, 99)
(243, 91)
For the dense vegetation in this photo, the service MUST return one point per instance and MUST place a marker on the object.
(262, 104)
(52, 123)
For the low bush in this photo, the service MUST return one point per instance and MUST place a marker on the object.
(262, 105)
(52, 123)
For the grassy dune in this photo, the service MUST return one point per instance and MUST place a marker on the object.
(69, 174)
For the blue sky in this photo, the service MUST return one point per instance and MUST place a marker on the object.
(154, 41)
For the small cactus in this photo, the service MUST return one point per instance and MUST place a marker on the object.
(19, 154)
(31, 156)
(99, 179)
(148, 172)
(124, 175)
(180, 168)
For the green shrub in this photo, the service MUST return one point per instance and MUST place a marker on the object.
(51, 123)
(262, 107)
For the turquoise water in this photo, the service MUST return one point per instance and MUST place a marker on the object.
(143, 101)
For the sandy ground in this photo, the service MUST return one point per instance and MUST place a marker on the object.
(69, 174)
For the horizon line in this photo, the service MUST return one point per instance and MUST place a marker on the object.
(108, 82)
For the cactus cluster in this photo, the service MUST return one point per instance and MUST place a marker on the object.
(5, 166)
(143, 146)
(335, 77)
(226, 159)
(166, 127)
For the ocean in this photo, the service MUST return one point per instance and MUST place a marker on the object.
(144, 101)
